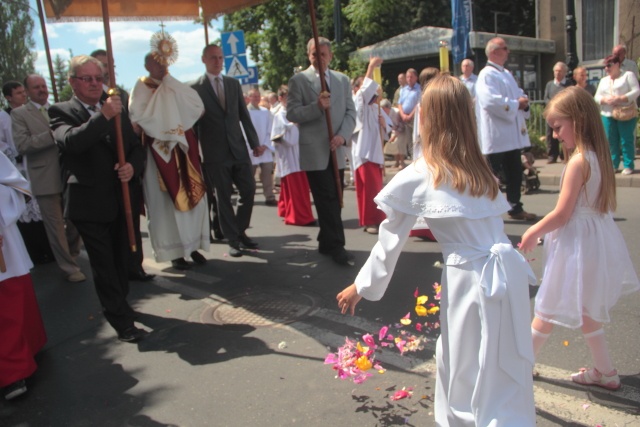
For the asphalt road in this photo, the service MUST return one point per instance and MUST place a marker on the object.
(241, 341)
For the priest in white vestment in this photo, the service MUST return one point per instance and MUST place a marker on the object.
(174, 188)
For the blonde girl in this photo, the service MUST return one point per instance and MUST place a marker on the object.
(484, 355)
(586, 262)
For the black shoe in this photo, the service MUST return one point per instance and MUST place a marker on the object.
(218, 235)
(132, 334)
(141, 276)
(271, 202)
(180, 264)
(234, 249)
(15, 389)
(247, 242)
(341, 257)
(198, 258)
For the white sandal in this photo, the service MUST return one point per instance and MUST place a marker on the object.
(594, 377)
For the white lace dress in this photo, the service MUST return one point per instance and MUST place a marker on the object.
(587, 267)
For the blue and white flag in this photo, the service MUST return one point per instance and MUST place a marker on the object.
(461, 24)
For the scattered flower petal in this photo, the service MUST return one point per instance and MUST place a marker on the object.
(401, 394)
(421, 310)
(383, 331)
(565, 343)
(422, 299)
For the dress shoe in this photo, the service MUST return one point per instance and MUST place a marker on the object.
(234, 249)
(132, 334)
(198, 258)
(525, 216)
(341, 257)
(180, 264)
(76, 277)
(247, 242)
(271, 202)
(140, 276)
(371, 229)
(15, 389)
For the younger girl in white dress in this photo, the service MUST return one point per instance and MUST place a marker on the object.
(484, 354)
(586, 262)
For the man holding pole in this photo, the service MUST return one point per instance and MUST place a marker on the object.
(307, 106)
(84, 129)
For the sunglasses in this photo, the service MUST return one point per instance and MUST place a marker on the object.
(89, 79)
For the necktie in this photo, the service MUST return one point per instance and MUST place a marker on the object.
(220, 92)
(44, 112)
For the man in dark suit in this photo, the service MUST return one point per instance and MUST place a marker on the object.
(224, 151)
(85, 132)
(136, 272)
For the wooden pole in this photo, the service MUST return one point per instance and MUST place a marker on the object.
(46, 49)
(382, 132)
(327, 112)
(3, 265)
(206, 30)
(118, 122)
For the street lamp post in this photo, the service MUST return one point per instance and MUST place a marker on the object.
(572, 60)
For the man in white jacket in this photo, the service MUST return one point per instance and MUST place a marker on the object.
(501, 109)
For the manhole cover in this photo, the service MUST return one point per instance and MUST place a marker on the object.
(261, 309)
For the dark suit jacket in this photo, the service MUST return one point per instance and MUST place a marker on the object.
(218, 129)
(552, 90)
(88, 147)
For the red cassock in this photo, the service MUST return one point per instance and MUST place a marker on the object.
(22, 333)
(368, 185)
(295, 200)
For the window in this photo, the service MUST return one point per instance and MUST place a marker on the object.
(598, 21)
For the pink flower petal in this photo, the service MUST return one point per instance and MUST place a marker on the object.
(383, 332)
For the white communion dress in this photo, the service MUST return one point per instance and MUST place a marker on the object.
(484, 353)
(587, 267)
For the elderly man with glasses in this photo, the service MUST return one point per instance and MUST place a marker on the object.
(84, 129)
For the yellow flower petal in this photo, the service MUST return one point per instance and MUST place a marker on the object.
(363, 363)
(422, 299)
(421, 310)
(433, 310)
(405, 321)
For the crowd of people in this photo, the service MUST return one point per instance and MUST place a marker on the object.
(190, 149)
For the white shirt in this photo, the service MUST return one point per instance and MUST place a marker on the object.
(626, 84)
(368, 145)
(288, 158)
(501, 125)
(262, 122)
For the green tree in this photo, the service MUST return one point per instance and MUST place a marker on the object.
(277, 31)
(16, 41)
(60, 70)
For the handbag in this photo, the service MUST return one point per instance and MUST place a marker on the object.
(625, 113)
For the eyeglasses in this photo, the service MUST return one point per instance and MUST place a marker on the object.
(609, 65)
(504, 48)
(89, 79)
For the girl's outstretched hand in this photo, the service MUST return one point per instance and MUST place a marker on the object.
(348, 299)
(529, 241)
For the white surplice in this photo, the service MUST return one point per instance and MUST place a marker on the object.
(501, 125)
(13, 188)
(368, 146)
(484, 354)
(262, 121)
(165, 114)
(288, 158)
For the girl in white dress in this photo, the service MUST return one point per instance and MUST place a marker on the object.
(484, 354)
(586, 262)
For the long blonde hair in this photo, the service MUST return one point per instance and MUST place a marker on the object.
(578, 105)
(449, 138)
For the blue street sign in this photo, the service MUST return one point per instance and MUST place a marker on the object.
(236, 66)
(252, 79)
(233, 43)
(235, 56)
